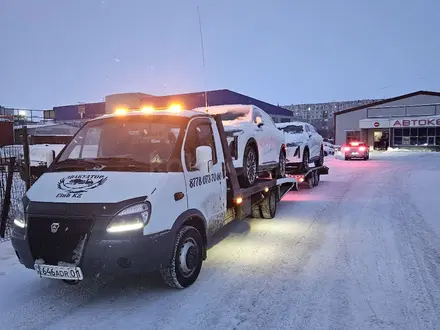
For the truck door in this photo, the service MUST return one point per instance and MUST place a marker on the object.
(206, 188)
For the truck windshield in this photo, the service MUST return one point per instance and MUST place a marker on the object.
(293, 129)
(150, 143)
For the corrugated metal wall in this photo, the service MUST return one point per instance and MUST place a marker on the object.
(71, 112)
(217, 97)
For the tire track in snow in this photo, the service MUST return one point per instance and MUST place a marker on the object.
(419, 253)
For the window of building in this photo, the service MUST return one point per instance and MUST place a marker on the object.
(417, 136)
(352, 136)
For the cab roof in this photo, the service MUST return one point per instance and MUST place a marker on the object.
(180, 113)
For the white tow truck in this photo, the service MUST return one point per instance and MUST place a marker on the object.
(135, 192)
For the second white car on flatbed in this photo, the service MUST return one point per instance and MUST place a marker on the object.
(304, 145)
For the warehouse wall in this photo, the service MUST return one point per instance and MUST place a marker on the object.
(71, 112)
(348, 122)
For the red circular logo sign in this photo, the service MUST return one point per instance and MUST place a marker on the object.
(376, 124)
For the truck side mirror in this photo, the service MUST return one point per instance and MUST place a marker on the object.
(50, 157)
(259, 121)
(203, 158)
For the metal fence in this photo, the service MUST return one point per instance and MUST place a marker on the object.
(13, 183)
(11, 192)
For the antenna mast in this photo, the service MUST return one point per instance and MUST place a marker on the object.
(203, 59)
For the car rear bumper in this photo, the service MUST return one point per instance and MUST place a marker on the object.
(353, 155)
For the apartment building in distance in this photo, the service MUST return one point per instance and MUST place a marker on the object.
(321, 115)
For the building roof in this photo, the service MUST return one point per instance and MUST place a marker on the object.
(393, 99)
(215, 97)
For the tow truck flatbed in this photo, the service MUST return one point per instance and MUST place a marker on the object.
(128, 212)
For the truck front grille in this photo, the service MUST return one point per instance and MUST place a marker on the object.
(58, 240)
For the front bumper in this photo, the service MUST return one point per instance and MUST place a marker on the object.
(137, 254)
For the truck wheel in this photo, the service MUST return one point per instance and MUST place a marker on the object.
(269, 205)
(311, 181)
(186, 263)
(256, 213)
(249, 166)
(305, 161)
(320, 161)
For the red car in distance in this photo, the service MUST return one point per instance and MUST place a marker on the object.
(356, 150)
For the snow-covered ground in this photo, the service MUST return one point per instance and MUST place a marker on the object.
(361, 251)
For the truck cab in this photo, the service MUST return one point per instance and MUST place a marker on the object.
(135, 192)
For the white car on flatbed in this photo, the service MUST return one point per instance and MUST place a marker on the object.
(303, 143)
(136, 192)
(257, 146)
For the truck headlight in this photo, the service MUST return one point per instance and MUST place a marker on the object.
(19, 218)
(134, 217)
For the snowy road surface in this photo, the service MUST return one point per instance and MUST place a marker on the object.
(361, 251)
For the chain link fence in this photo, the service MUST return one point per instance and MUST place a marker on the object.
(11, 194)
(13, 184)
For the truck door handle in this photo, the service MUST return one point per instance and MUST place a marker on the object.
(223, 170)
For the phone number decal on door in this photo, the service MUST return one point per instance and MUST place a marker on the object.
(204, 179)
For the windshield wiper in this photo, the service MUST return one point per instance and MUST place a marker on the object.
(123, 162)
(72, 163)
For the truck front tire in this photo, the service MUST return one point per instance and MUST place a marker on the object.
(187, 259)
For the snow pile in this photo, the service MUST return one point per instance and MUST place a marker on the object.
(296, 138)
(232, 114)
(403, 150)
(37, 152)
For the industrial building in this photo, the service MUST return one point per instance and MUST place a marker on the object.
(80, 112)
(410, 121)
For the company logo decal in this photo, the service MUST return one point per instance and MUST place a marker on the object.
(75, 185)
(376, 124)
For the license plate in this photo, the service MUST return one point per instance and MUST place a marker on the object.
(354, 153)
(59, 272)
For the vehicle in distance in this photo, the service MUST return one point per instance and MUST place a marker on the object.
(255, 143)
(329, 149)
(356, 150)
(303, 143)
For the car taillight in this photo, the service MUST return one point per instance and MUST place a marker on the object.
(361, 148)
(300, 178)
(347, 148)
